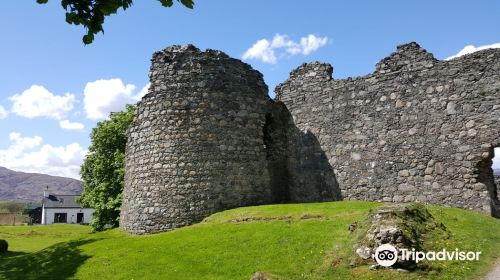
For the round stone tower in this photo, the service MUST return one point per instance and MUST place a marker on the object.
(196, 144)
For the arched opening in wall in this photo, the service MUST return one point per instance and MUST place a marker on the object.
(489, 175)
(495, 166)
(496, 162)
(275, 142)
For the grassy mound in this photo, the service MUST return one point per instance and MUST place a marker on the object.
(292, 241)
(405, 226)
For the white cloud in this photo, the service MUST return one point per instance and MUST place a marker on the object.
(66, 124)
(471, 48)
(104, 96)
(143, 92)
(262, 51)
(3, 113)
(496, 159)
(37, 101)
(29, 155)
(312, 43)
(23, 143)
(269, 51)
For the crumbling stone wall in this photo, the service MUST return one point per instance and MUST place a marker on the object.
(196, 145)
(207, 137)
(299, 168)
(415, 129)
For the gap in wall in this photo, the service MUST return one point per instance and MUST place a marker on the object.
(494, 193)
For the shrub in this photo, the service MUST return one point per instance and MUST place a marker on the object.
(3, 246)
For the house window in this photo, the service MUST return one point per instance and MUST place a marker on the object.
(60, 217)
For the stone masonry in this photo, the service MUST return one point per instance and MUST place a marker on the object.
(207, 137)
(196, 145)
(415, 129)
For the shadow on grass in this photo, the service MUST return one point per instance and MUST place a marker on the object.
(9, 254)
(59, 261)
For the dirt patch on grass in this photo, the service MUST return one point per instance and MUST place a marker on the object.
(288, 218)
(312, 216)
(257, 219)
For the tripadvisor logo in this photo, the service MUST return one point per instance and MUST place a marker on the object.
(387, 255)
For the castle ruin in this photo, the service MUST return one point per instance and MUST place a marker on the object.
(207, 137)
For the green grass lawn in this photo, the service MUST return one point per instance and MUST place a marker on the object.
(290, 241)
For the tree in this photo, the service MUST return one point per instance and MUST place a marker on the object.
(91, 13)
(14, 207)
(103, 169)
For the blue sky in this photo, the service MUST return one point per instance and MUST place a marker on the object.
(42, 56)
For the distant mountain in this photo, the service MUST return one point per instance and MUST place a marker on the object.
(496, 172)
(30, 186)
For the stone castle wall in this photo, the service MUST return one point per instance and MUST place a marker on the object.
(207, 137)
(415, 129)
(196, 145)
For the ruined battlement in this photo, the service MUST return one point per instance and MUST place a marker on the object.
(415, 129)
(206, 137)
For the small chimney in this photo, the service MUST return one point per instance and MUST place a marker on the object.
(46, 192)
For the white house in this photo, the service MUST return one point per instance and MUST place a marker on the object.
(64, 209)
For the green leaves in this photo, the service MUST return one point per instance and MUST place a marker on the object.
(89, 38)
(166, 3)
(103, 169)
(92, 13)
(169, 3)
(188, 3)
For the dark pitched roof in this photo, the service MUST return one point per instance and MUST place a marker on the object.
(61, 201)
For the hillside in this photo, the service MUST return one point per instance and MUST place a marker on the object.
(284, 242)
(16, 185)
